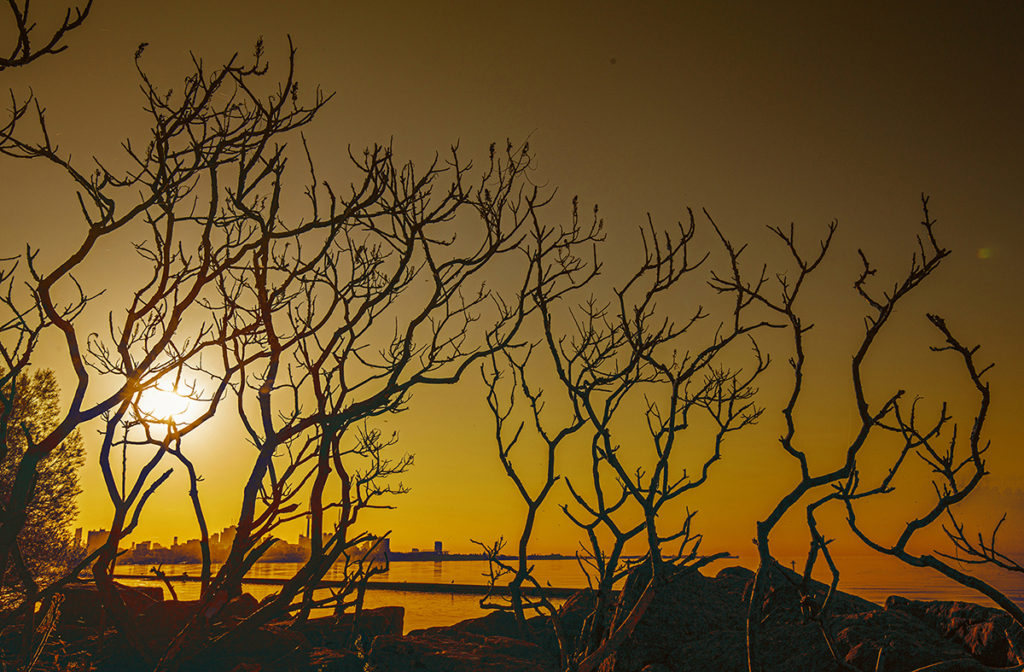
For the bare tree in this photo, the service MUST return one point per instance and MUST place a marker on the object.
(958, 469)
(614, 358)
(980, 551)
(282, 319)
(410, 252)
(889, 414)
(23, 51)
(214, 138)
(559, 267)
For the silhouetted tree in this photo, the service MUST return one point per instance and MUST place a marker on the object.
(613, 358)
(284, 315)
(396, 296)
(979, 551)
(842, 482)
(313, 327)
(23, 50)
(957, 465)
(215, 136)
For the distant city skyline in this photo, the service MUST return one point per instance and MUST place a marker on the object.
(148, 550)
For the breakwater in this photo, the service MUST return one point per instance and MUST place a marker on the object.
(398, 586)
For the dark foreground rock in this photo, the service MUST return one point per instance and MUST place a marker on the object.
(693, 623)
(342, 632)
(987, 634)
(82, 607)
(454, 651)
(697, 623)
(192, 628)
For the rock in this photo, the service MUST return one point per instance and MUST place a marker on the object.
(237, 608)
(329, 660)
(985, 633)
(492, 642)
(247, 667)
(336, 632)
(82, 603)
(689, 609)
(906, 643)
(162, 621)
(736, 581)
(498, 623)
(576, 609)
(723, 651)
(379, 621)
(271, 647)
(698, 623)
(466, 652)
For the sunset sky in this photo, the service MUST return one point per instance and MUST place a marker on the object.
(761, 115)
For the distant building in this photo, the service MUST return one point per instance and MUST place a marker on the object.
(78, 537)
(437, 548)
(95, 539)
(385, 545)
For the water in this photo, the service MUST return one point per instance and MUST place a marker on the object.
(422, 610)
(867, 579)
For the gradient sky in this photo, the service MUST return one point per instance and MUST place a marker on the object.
(763, 116)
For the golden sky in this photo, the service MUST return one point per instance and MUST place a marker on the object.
(763, 116)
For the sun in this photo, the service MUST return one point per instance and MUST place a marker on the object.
(163, 405)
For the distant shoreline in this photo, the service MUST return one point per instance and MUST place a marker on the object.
(393, 586)
(423, 556)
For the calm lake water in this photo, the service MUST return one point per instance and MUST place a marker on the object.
(871, 581)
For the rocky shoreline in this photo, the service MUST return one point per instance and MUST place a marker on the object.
(694, 623)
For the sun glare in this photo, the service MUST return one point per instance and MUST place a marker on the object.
(164, 405)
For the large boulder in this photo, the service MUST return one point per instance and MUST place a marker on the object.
(162, 621)
(492, 642)
(329, 660)
(689, 609)
(988, 634)
(904, 643)
(235, 609)
(272, 647)
(342, 632)
(457, 652)
(698, 623)
(82, 605)
(497, 623)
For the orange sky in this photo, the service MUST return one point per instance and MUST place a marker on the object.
(761, 116)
